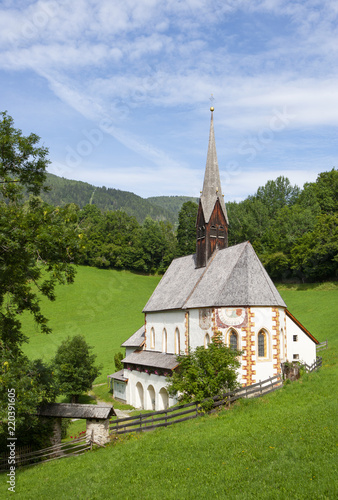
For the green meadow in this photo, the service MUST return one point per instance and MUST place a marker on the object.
(103, 305)
(280, 446)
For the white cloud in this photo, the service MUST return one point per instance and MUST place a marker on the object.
(114, 59)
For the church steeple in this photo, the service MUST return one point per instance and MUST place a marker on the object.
(212, 220)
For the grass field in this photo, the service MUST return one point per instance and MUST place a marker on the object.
(281, 446)
(103, 305)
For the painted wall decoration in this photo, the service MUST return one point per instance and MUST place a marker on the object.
(205, 318)
(231, 316)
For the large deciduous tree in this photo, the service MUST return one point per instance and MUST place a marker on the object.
(38, 245)
(75, 368)
(38, 242)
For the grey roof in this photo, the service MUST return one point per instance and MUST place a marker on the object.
(212, 189)
(176, 285)
(118, 376)
(233, 276)
(68, 410)
(136, 340)
(153, 359)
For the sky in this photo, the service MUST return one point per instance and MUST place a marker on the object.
(120, 90)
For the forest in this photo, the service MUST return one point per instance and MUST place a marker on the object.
(294, 231)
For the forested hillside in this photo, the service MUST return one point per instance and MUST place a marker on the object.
(63, 191)
(294, 231)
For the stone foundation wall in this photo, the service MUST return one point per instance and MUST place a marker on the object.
(97, 430)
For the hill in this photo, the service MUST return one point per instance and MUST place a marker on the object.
(65, 191)
(171, 204)
(276, 447)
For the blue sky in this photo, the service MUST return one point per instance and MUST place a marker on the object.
(119, 89)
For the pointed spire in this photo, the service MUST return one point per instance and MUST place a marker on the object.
(212, 188)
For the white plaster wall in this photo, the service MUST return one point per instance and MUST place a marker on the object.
(156, 381)
(263, 319)
(120, 390)
(170, 320)
(130, 350)
(304, 347)
(196, 333)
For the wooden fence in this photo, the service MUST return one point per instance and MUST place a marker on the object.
(322, 345)
(315, 365)
(62, 450)
(180, 413)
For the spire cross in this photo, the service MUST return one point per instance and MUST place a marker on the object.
(212, 102)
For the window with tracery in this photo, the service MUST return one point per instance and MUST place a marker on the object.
(233, 340)
(262, 344)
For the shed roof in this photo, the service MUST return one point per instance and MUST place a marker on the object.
(136, 340)
(152, 359)
(68, 410)
(118, 376)
(234, 276)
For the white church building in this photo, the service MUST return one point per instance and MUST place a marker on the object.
(218, 289)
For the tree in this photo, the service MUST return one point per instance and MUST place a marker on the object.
(277, 194)
(38, 245)
(38, 242)
(118, 361)
(186, 231)
(323, 192)
(31, 383)
(205, 373)
(315, 256)
(74, 367)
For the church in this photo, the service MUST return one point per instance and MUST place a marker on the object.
(218, 289)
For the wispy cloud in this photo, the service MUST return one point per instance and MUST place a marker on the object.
(126, 62)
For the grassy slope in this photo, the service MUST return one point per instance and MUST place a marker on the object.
(103, 305)
(280, 446)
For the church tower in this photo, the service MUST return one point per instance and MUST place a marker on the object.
(212, 220)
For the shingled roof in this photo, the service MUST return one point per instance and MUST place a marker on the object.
(153, 359)
(234, 276)
(135, 340)
(68, 410)
(212, 189)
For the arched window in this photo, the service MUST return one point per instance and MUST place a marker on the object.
(221, 232)
(213, 232)
(262, 344)
(233, 340)
(177, 341)
(164, 340)
(206, 340)
(281, 340)
(152, 338)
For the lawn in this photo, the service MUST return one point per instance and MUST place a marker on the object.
(103, 305)
(280, 446)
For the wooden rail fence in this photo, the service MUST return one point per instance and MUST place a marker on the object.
(315, 365)
(62, 450)
(322, 345)
(180, 413)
